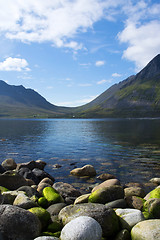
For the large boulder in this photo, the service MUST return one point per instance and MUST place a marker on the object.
(12, 180)
(27, 173)
(18, 224)
(87, 170)
(42, 215)
(155, 193)
(152, 208)
(106, 194)
(32, 164)
(23, 201)
(40, 174)
(106, 183)
(83, 227)
(106, 217)
(9, 164)
(147, 230)
(129, 217)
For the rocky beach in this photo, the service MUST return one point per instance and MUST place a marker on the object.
(35, 206)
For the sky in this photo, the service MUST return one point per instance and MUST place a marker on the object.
(71, 51)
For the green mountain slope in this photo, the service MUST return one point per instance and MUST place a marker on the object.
(137, 96)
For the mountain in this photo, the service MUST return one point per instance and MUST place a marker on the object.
(136, 96)
(17, 101)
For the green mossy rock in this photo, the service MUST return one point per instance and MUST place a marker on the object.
(154, 193)
(151, 208)
(52, 195)
(3, 189)
(42, 214)
(42, 202)
(54, 227)
(106, 194)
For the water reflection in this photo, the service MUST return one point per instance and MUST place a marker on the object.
(127, 148)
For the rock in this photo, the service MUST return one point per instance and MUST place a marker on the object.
(42, 215)
(42, 202)
(148, 187)
(123, 235)
(106, 217)
(40, 164)
(9, 164)
(40, 174)
(152, 208)
(41, 186)
(106, 194)
(129, 217)
(29, 191)
(12, 180)
(2, 170)
(3, 189)
(120, 203)
(135, 202)
(27, 174)
(52, 195)
(55, 208)
(153, 194)
(105, 176)
(18, 224)
(9, 196)
(83, 227)
(32, 164)
(82, 199)
(66, 190)
(47, 180)
(107, 183)
(46, 238)
(133, 184)
(155, 180)
(57, 165)
(134, 191)
(147, 230)
(23, 201)
(54, 227)
(87, 170)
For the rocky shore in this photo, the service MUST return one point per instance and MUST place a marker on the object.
(34, 206)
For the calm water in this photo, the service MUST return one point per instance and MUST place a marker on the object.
(127, 148)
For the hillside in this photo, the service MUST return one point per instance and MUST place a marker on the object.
(17, 101)
(136, 96)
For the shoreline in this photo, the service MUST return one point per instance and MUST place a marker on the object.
(28, 188)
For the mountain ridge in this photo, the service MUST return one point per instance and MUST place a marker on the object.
(136, 96)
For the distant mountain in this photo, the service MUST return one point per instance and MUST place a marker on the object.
(17, 101)
(136, 96)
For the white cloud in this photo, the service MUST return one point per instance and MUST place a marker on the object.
(141, 33)
(14, 64)
(56, 21)
(102, 81)
(99, 63)
(116, 75)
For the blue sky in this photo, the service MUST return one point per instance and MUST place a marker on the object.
(70, 51)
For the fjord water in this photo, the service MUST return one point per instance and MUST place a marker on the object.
(127, 148)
